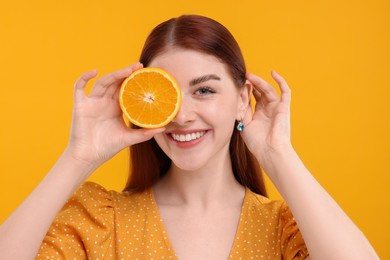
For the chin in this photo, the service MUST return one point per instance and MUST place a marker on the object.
(189, 165)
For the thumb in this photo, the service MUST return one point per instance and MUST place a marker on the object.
(135, 136)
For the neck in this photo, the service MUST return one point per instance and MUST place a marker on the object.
(206, 188)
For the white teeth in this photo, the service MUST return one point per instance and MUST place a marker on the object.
(188, 137)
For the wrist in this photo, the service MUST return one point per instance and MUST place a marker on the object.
(78, 165)
(272, 158)
(82, 154)
(273, 152)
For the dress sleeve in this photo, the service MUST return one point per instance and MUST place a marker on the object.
(84, 227)
(292, 244)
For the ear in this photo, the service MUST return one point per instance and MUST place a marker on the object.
(244, 98)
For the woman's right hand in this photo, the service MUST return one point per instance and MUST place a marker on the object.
(98, 131)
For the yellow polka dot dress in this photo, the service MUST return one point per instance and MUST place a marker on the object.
(100, 224)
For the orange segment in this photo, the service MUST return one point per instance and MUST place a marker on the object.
(150, 97)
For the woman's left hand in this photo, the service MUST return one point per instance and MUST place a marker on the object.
(268, 129)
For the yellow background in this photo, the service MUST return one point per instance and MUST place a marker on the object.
(334, 54)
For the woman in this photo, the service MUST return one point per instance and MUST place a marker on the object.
(189, 198)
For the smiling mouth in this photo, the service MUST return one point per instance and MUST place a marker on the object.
(188, 137)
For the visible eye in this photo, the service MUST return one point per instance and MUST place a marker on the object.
(204, 91)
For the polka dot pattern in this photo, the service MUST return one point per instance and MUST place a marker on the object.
(100, 224)
(267, 230)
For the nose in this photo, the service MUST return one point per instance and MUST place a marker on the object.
(186, 113)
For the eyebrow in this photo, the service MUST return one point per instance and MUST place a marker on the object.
(203, 79)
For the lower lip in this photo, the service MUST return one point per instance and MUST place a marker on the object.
(188, 144)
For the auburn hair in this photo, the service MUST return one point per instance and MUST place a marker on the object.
(148, 163)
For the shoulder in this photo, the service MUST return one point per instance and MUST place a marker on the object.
(90, 190)
(92, 204)
(259, 206)
(275, 212)
(95, 197)
(256, 202)
(91, 193)
(275, 224)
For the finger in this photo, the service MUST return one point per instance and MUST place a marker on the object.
(82, 81)
(258, 97)
(263, 87)
(115, 94)
(248, 115)
(114, 78)
(113, 90)
(284, 88)
(141, 135)
(261, 100)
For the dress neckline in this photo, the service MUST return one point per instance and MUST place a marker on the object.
(166, 235)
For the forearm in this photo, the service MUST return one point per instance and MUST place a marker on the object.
(327, 230)
(22, 233)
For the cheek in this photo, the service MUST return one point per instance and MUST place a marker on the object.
(221, 114)
(161, 142)
(223, 126)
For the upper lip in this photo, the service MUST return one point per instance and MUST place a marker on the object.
(184, 132)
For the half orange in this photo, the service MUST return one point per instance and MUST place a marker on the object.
(150, 97)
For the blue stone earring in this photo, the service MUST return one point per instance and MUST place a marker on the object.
(240, 126)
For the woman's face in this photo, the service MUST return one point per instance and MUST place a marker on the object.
(199, 135)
